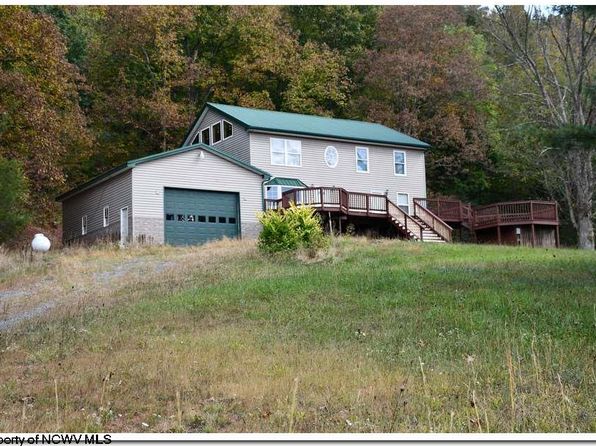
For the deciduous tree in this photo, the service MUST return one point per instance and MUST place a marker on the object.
(41, 123)
(13, 199)
(555, 51)
(426, 79)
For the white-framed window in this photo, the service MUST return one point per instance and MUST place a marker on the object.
(83, 225)
(106, 216)
(331, 157)
(227, 130)
(216, 132)
(286, 152)
(403, 202)
(197, 138)
(362, 159)
(206, 136)
(399, 162)
(275, 192)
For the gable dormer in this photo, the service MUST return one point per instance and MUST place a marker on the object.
(221, 131)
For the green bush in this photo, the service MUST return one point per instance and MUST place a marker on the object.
(13, 197)
(291, 229)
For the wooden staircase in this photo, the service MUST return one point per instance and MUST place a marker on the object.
(422, 226)
(429, 235)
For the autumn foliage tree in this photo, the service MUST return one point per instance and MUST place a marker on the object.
(134, 65)
(425, 77)
(41, 123)
(152, 68)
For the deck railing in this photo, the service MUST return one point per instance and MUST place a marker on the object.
(515, 212)
(447, 210)
(271, 204)
(336, 199)
(506, 213)
(408, 223)
(432, 220)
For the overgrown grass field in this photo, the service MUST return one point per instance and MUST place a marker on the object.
(374, 336)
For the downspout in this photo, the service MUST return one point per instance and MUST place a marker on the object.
(265, 180)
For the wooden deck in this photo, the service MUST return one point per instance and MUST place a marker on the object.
(451, 211)
(424, 225)
(429, 221)
(516, 213)
(530, 213)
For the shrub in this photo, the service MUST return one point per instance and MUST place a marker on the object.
(291, 229)
(13, 197)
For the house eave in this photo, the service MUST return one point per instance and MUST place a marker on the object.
(390, 144)
(154, 157)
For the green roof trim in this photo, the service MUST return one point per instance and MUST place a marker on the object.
(279, 181)
(156, 156)
(317, 126)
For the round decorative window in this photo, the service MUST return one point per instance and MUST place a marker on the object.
(331, 156)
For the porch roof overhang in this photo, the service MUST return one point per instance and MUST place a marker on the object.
(280, 181)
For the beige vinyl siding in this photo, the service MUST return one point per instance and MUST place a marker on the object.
(115, 193)
(188, 171)
(237, 145)
(315, 172)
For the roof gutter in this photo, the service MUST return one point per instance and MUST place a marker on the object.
(423, 146)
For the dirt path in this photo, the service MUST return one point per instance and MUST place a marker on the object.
(72, 280)
(40, 294)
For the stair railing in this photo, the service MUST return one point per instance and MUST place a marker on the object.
(433, 221)
(409, 224)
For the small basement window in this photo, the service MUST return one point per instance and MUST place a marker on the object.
(181, 217)
(106, 216)
(212, 219)
(190, 217)
(232, 220)
(170, 217)
(227, 130)
(205, 139)
(216, 132)
(202, 218)
(83, 225)
(222, 219)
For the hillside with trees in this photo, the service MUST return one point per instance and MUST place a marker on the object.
(504, 96)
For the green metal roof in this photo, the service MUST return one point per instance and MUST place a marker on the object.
(279, 181)
(267, 120)
(132, 163)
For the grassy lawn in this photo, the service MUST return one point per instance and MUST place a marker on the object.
(384, 336)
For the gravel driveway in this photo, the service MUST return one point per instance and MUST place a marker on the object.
(41, 294)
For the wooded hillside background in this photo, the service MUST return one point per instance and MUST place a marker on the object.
(505, 97)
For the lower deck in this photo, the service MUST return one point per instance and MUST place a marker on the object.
(525, 223)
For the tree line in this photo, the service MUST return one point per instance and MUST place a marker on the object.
(504, 96)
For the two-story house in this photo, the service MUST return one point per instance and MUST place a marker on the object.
(232, 162)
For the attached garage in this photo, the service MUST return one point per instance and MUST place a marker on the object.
(197, 216)
(185, 196)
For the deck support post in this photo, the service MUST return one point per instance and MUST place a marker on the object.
(557, 241)
(499, 234)
(330, 223)
(533, 236)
